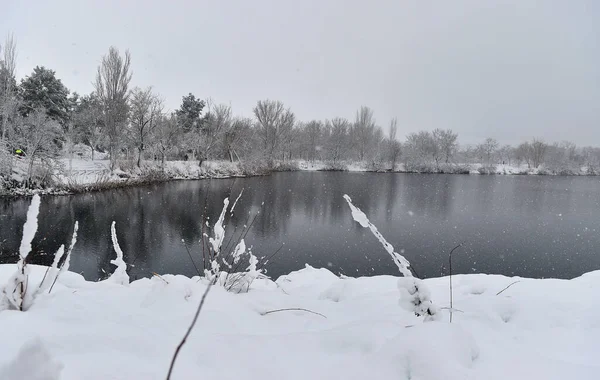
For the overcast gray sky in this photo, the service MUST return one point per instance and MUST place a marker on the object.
(511, 70)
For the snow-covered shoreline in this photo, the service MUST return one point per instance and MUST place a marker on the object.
(536, 329)
(85, 175)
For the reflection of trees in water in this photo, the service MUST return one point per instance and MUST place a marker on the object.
(306, 211)
(430, 195)
(12, 217)
(152, 220)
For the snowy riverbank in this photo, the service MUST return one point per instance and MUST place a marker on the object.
(536, 329)
(83, 174)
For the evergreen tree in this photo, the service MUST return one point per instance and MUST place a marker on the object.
(43, 90)
(188, 115)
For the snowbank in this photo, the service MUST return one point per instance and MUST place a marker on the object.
(536, 329)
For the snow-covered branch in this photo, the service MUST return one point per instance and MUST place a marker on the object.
(415, 295)
(120, 275)
(360, 217)
(14, 293)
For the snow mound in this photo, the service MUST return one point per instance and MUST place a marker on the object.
(309, 324)
(33, 362)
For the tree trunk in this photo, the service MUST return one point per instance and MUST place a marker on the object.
(113, 158)
(140, 153)
(30, 169)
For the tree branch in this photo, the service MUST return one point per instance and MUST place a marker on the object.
(187, 334)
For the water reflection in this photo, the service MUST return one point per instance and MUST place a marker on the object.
(515, 225)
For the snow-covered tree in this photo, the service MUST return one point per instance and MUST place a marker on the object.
(337, 144)
(88, 121)
(487, 151)
(235, 131)
(274, 122)
(43, 90)
(420, 150)
(394, 146)
(8, 84)
(189, 113)
(362, 132)
(216, 121)
(112, 89)
(145, 111)
(538, 152)
(446, 145)
(166, 134)
(37, 135)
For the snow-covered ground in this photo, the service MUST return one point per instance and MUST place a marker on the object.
(535, 329)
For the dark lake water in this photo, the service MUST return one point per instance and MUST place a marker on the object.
(534, 226)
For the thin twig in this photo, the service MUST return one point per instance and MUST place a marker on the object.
(250, 226)
(281, 287)
(447, 308)
(161, 277)
(450, 260)
(45, 274)
(203, 226)
(191, 259)
(292, 309)
(54, 282)
(270, 257)
(511, 284)
(135, 258)
(187, 334)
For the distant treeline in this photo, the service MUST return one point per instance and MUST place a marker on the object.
(42, 117)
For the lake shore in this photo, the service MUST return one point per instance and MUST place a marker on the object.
(85, 175)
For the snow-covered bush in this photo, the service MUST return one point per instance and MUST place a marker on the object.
(230, 278)
(286, 166)
(14, 293)
(487, 169)
(17, 293)
(333, 166)
(415, 295)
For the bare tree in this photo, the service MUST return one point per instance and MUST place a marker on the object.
(487, 150)
(446, 144)
(523, 153)
(363, 130)
(538, 151)
(89, 122)
(394, 146)
(337, 145)
(37, 135)
(377, 151)
(216, 121)
(167, 133)
(146, 108)
(570, 150)
(236, 130)
(112, 89)
(314, 130)
(8, 65)
(274, 121)
(420, 149)
(504, 153)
